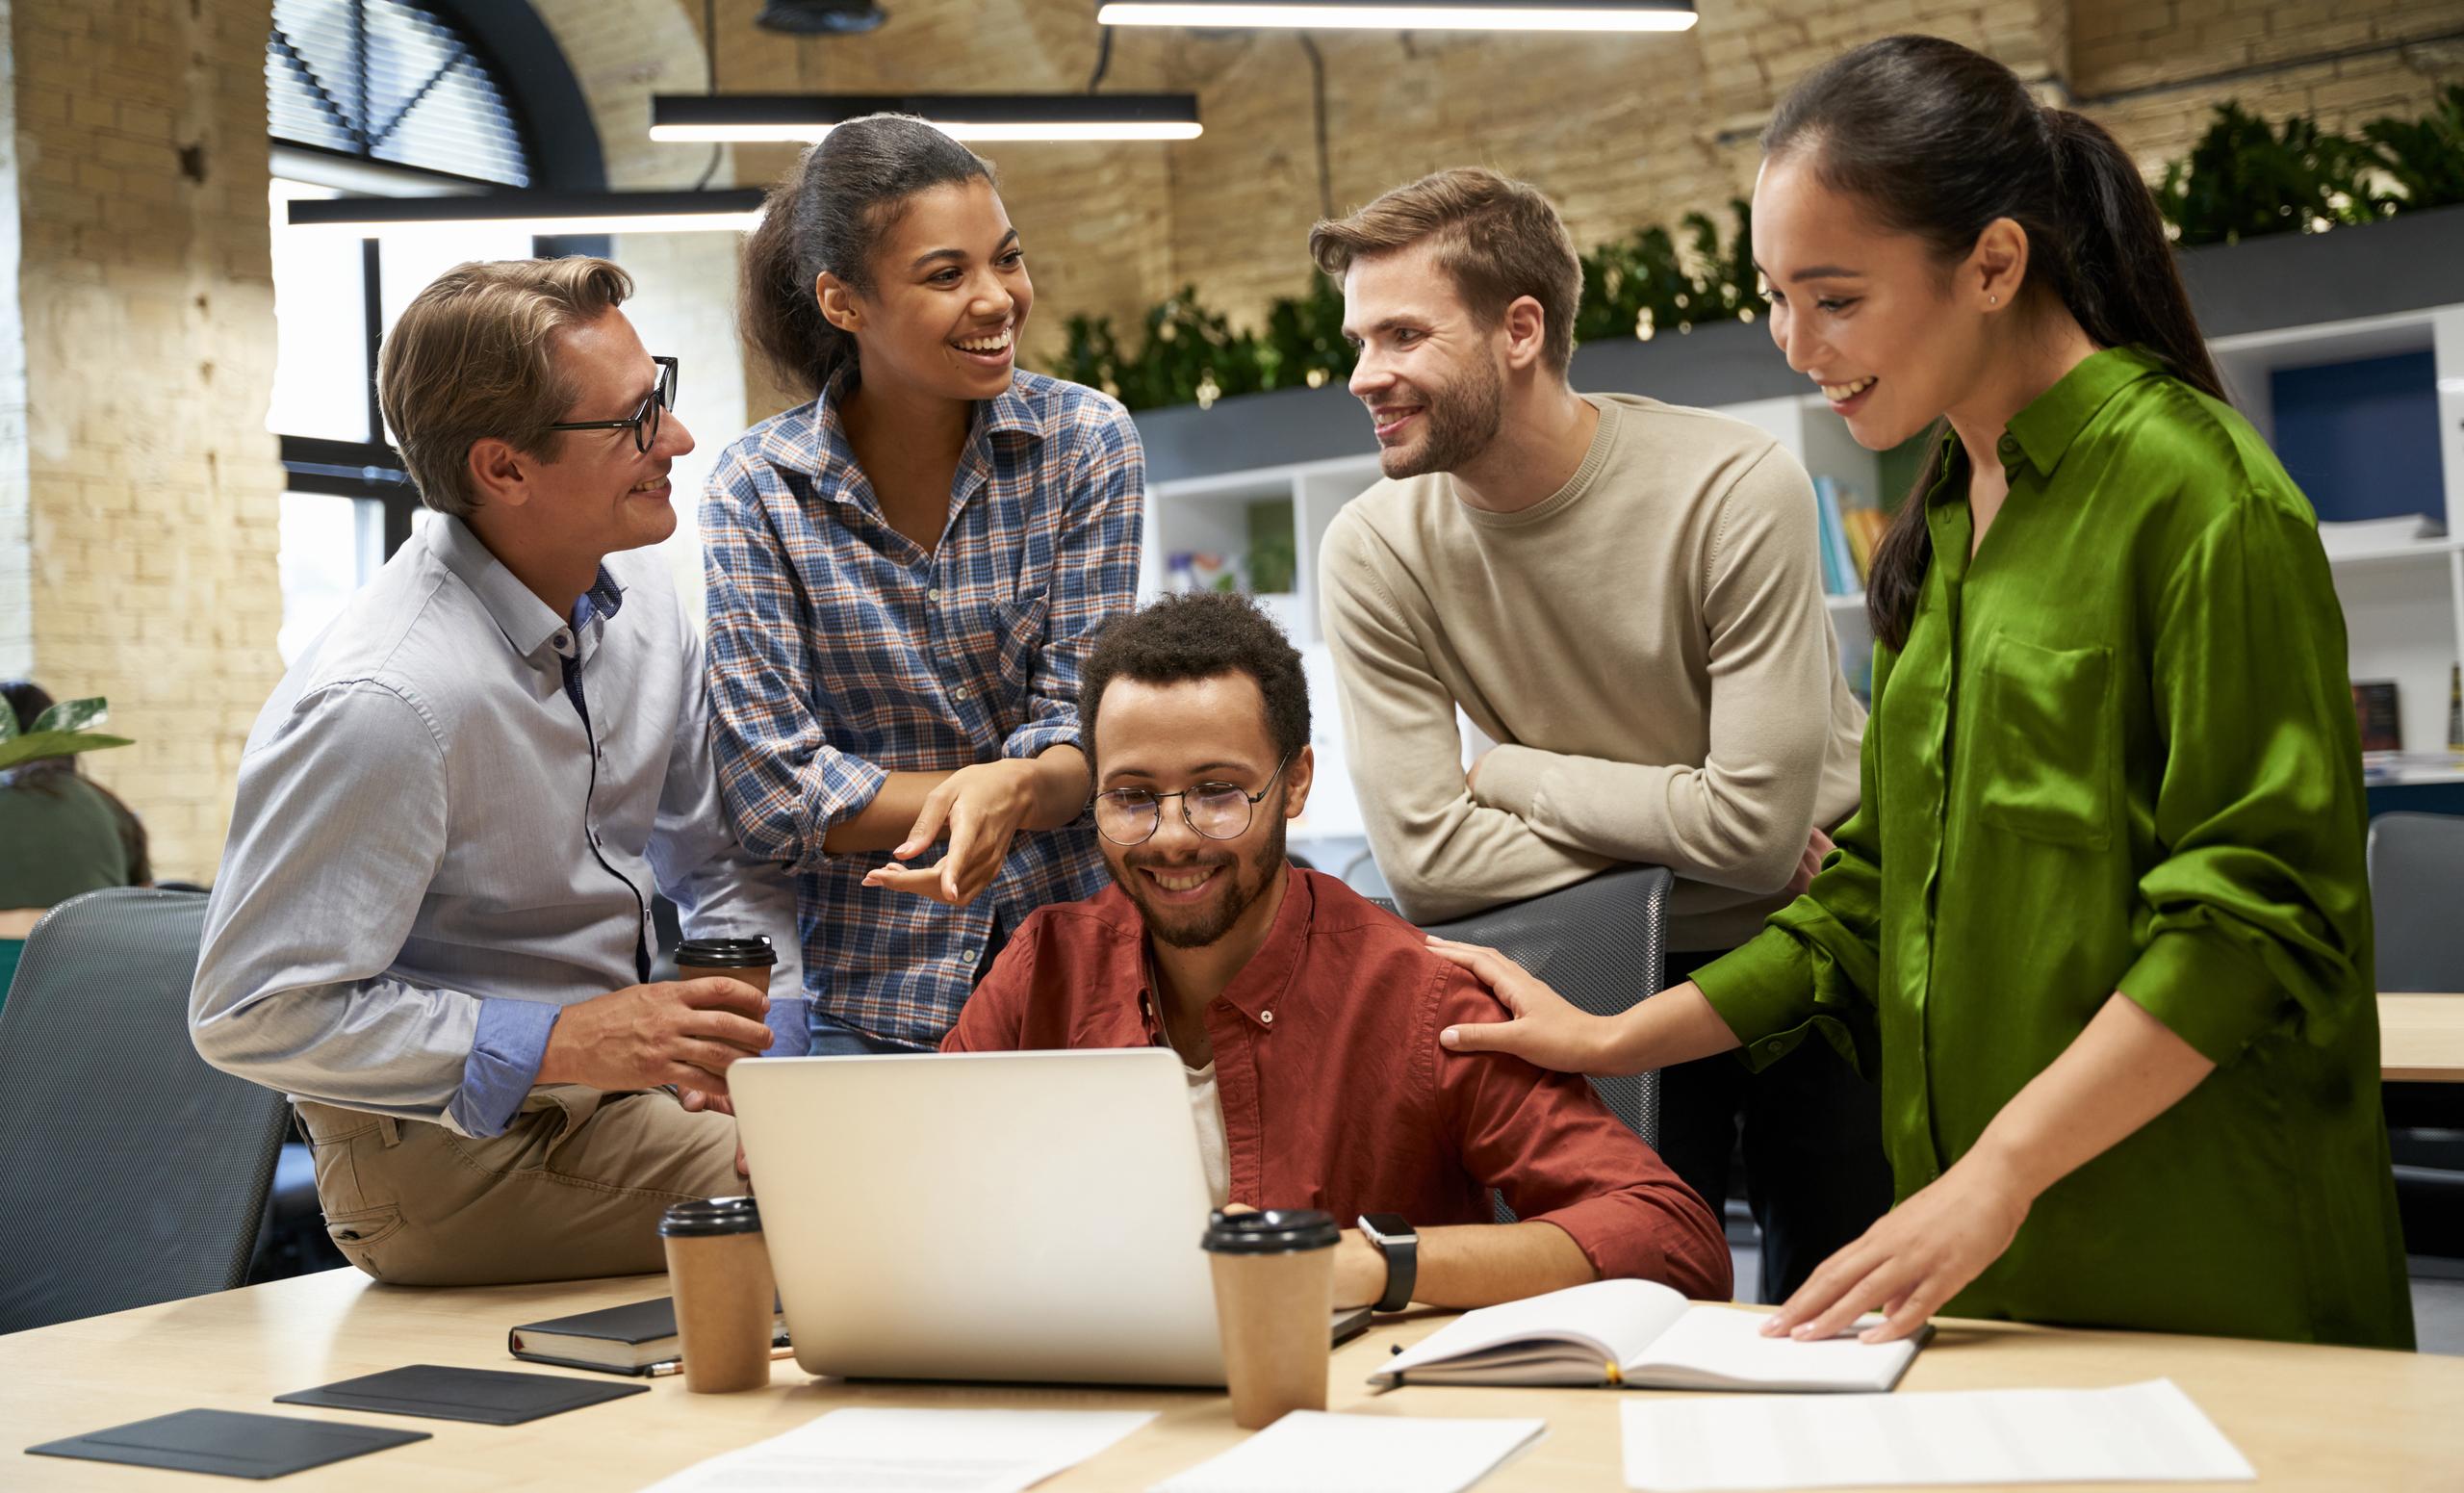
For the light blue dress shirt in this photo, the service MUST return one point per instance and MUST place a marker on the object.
(437, 847)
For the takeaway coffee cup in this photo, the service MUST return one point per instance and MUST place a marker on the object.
(1275, 1296)
(747, 961)
(719, 1270)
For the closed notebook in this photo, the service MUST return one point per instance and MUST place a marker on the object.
(619, 1339)
(1638, 1334)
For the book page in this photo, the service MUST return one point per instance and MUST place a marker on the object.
(1723, 1345)
(1361, 1454)
(864, 1451)
(2149, 1432)
(1608, 1320)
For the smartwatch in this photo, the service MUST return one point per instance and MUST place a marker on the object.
(1391, 1235)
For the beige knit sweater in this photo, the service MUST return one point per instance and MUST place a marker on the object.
(1649, 650)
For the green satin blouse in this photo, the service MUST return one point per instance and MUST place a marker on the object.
(2119, 753)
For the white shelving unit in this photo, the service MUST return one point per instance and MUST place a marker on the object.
(2404, 605)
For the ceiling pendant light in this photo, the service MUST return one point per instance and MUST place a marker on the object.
(1407, 15)
(545, 213)
(986, 116)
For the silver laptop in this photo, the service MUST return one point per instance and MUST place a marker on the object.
(985, 1216)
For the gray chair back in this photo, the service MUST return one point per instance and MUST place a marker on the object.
(2417, 899)
(1602, 944)
(130, 1172)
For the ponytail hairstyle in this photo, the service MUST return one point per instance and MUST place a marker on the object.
(829, 213)
(1938, 140)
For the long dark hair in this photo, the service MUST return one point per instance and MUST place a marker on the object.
(43, 775)
(1938, 141)
(830, 213)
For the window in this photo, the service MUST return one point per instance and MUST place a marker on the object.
(387, 97)
(393, 81)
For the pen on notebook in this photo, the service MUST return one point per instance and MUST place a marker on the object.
(666, 1367)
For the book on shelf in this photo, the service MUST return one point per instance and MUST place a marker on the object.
(2373, 704)
(1641, 1334)
(1844, 563)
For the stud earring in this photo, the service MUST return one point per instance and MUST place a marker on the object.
(1993, 300)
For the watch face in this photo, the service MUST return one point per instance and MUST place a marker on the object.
(1385, 1225)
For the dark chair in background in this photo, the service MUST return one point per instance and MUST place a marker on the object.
(1602, 944)
(2417, 899)
(135, 1172)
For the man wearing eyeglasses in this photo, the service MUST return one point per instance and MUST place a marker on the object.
(1305, 1016)
(432, 927)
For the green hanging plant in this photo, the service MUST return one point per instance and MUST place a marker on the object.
(2424, 158)
(2244, 179)
(62, 730)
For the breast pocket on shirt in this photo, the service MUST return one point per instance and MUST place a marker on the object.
(1017, 636)
(2044, 741)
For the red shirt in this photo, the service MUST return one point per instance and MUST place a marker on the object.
(1336, 1093)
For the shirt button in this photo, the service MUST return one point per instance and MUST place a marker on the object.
(564, 640)
(1267, 1016)
(2009, 446)
(959, 694)
(933, 595)
(966, 956)
(1773, 1046)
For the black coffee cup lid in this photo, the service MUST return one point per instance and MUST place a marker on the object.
(725, 954)
(710, 1215)
(1275, 1231)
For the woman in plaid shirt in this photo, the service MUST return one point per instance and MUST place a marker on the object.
(905, 574)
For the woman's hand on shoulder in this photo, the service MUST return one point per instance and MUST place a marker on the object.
(1547, 1029)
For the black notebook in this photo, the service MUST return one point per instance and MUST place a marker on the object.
(617, 1339)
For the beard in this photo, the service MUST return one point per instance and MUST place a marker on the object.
(1199, 924)
(1462, 417)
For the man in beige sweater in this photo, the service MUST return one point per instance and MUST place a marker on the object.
(1625, 595)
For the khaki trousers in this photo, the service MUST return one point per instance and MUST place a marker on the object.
(574, 1188)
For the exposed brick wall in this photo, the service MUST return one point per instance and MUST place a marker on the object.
(146, 300)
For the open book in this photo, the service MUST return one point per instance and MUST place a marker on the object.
(1640, 1333)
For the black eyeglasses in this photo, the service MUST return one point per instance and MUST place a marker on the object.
(644, 421)
(1217, 811)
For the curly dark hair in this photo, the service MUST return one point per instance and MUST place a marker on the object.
(1194, 636)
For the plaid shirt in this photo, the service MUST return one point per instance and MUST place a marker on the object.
(842, 651)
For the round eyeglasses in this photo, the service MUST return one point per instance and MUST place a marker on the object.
(643, 421)
(1217, 811)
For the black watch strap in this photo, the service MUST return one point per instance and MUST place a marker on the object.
(1394, 1239)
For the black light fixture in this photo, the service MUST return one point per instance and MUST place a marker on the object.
(1407, 15)
(820, 17)
(994, 116)
(541, 211)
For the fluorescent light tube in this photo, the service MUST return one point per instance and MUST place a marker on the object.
(545, 213)
(1370, 15)
(986, 116)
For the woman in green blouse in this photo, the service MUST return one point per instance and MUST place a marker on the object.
(2101, 923)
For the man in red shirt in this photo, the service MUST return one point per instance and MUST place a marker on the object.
(1305, 1016)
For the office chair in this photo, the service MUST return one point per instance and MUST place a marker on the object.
(2416, 867)
(136, 1173)
(1601, 943)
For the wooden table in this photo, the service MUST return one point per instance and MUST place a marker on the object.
(2307, 1418)
(2420, 1039)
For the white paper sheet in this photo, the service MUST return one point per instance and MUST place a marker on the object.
(1314, 1451)
(2148, 1433)
(861, 1451)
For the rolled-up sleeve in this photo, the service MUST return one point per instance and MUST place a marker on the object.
(1094, 570)
(784, 784)
(318, 888)
(1553, 1148)
(2257, 916)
